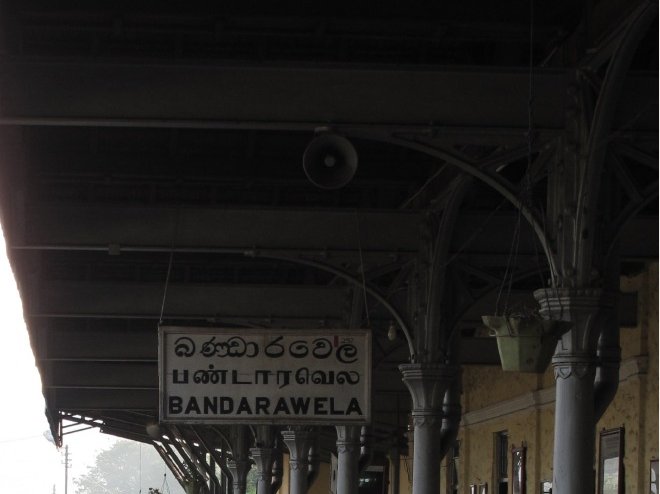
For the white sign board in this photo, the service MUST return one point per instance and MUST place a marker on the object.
(210, 375)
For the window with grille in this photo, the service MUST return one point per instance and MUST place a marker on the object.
(452, 469)
(501, 466)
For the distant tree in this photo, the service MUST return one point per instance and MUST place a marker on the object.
(118, 470)
(251, 483)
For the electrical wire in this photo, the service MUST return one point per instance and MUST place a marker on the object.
(524, 199)
(169, 267)
(140, 467)
(364, 280)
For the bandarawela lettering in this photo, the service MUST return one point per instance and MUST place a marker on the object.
(260, 405)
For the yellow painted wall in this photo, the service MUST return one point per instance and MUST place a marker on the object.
(405, 477)
(284, 488)
(485, 385)
(635, 407)
(322, 483)
(320, 486)
(650, 406)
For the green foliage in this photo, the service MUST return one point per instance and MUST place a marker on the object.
(251, 484)
(121, 468)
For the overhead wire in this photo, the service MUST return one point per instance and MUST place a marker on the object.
(169, 266)
(524, 197)
(364, 280)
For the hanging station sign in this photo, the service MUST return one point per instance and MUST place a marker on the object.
(213, 376)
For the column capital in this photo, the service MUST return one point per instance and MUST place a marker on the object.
(348, 433)
(586, 309)
(263, 460)
(348, 438)
(564, 304)
(298, 440)
(239, 469)
(427, 383)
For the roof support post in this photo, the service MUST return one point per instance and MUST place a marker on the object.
(195, 463)
(202, 457)
(577, 220)
(394, 457)
(194, 487)
(348, 458)
(314, 461)
(298, 440)
(193, 481)
(575, 365)
(427, 384)
(434, 371)
(218, 458)
(171, 464)
(239, 465)
(278, 468)
(263, 455)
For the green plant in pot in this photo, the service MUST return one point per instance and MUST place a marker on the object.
(525, 341)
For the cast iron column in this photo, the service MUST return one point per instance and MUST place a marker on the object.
(263, 459)
(395, 469)
(195, 487)
(263, 455)
(348, 458)
(239, 470)
(239, 465)
(278, 470)
(574, 363)
(298, 440)
(427, 384)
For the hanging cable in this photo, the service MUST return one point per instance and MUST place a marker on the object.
(167, 283)
(530, 128)
(165, 485)
(530, 136)
(525, 196)
(508, 277)
(140, 468)
(364, 280)
(169, 267)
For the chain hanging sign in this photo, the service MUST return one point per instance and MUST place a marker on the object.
(211, 375)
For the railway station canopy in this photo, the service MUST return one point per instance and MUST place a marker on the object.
(403, 168)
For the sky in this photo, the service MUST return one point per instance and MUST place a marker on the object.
(29, 463)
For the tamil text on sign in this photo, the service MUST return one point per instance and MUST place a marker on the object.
(210, 375)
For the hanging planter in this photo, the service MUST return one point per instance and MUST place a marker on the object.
(525, 342)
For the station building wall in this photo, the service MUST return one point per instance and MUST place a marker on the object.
(523, 405)
(320, 486)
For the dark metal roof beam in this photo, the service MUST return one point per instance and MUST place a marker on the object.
(145, 300)
(250, 96)
(82, 400)
(328, 234)
(107, 349)
(101, 375)
(226, 230)
(283, 97)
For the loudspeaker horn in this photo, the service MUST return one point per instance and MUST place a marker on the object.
(330, 161)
